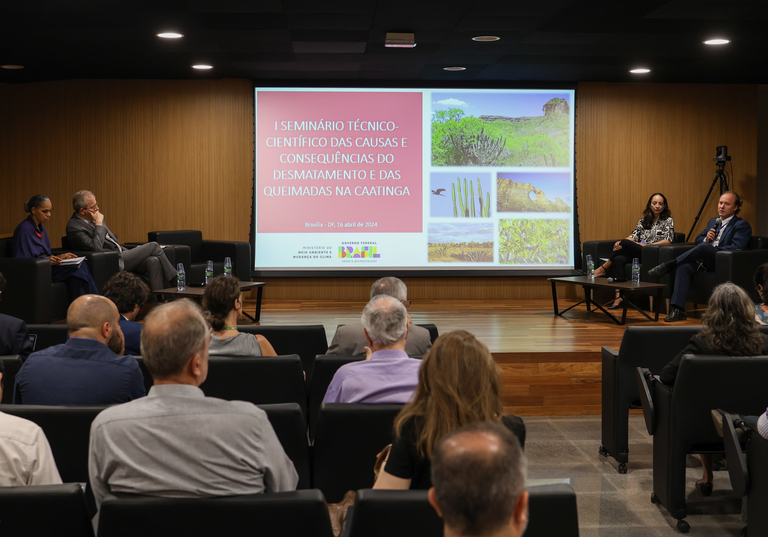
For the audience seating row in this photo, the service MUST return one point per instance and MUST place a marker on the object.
(303, 513)
(749, 477)
(680, 421)
(651, 347)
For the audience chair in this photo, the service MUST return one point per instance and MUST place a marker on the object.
(148, 380)
(749, 477)
(102, 264)
(682, 421)
(67, 429)
(307, 341)
(44, 510)
(29, 294)
(261, 380)
(201, 251)
(737, 266)
(433, 333)
(48, 335)
(347, 440)
(283, 514)
(291, 429)
(325, 369)
(407, 513)
(11, 365)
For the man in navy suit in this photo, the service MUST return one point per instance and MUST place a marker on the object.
(14, 337)
(730, 233)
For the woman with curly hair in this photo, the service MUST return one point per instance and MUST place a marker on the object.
(729, 329)
(223, 305)
(655, 227)
(459, 383)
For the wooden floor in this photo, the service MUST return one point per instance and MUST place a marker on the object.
(550, 364)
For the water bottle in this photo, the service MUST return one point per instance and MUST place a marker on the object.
(181, 278)
(208, 272)
(227, 266)
(635, 271)
(590, 267)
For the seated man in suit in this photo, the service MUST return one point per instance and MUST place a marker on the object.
(176, 442)
(388, 375)
(25, 455)
(478, 478)
(88, 368)
(129, 294)
(350, 341)
(14, 336)
(726, 232)
(86, 230)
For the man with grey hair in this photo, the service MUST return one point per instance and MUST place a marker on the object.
(350, 341)
(86, 230)
(176, 442)
(478, 477)
(388, 374)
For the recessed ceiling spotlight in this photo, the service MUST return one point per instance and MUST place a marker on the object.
(486, 38)
(640, 71)
(202, 66)
(454, 68)
(11, 66)
(170, 35)
(717, 41)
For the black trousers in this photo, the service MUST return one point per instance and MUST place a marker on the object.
(619, 258)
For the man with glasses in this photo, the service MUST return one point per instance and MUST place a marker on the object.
(86, 230)
(349, 339)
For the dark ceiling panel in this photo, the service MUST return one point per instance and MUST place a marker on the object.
(328, 21)
(243, 20)
(336, 47)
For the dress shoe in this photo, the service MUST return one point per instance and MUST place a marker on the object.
(658, 271)
(676, 315)
(616, 305)
(704, 488)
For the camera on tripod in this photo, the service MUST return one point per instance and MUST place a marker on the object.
(721, 155)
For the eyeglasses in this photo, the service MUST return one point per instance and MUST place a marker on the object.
(406, 302)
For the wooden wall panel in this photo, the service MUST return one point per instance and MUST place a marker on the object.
(637, 139)
(176, 154)
(167, 154)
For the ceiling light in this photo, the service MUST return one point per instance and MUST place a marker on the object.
(716, 41)
(395, 40)
(11, 66)
(202, 66)
(485, 38)
(454, 68)
(640, 71)
(170, 35)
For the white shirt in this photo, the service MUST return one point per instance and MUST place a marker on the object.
(25, 455)
(723, 223)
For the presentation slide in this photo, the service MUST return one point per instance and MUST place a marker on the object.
(413, 179)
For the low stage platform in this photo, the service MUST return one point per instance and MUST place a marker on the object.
(551, 366)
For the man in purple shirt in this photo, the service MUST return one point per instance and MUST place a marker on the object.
(387, 375)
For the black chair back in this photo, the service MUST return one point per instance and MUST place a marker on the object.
(407, 513)
(291, 429)
(347, 440)
(325, 369)
(258, 380)
(433, 333)
(307, 341)
(48, 335)
(44, 510)
(282, 514)
(67, 429)
(11, 365)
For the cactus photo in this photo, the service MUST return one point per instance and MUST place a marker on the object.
(534, 242)
(460, 195)
(460, 243)
(522, 129)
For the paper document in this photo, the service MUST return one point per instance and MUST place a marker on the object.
(74, 261)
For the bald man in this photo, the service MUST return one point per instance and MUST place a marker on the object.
(478, 477)
(86, 370)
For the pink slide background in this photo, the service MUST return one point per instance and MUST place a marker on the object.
(290, 214)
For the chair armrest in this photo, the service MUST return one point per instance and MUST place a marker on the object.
(737, 465)
(644, 383)
(739, 266)
(102, 264)
(596, 249)
(28, 293)
(669, 252)
(239, 252)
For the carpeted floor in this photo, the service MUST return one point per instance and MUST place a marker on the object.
(619, 505)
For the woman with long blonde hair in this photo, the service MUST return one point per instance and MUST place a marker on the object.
(459, 383)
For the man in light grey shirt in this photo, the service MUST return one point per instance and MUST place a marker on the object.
(176, 442)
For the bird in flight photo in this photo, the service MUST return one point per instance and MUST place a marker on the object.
(438, 192)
